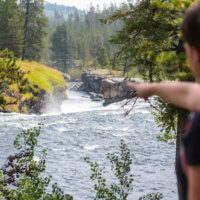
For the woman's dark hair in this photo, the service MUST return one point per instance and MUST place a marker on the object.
(191, 26)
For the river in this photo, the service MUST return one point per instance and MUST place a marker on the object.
(86, 128)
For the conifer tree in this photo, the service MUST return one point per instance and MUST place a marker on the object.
(11, 34)
(62, 48)
(90, 34)
(101, 56)
(34, 24)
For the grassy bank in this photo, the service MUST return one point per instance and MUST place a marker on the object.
(42, 80)
(44, 77)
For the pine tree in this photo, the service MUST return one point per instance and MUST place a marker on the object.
(34, 24)
(91, 35)
(62, 48)
(11, 27)
(101, 56)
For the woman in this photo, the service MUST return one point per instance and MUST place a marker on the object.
(185, 95)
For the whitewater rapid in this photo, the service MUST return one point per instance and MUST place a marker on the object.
(85, 128)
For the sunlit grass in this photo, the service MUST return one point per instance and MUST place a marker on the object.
(44, 77)
(40, 77)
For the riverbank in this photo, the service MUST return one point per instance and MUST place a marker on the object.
(46, 90)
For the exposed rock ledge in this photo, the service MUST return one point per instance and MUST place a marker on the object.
(43, 102)
(46, 89)
(40, 102)
(102, 88)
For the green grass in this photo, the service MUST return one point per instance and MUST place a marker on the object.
(44, 77)
(40, 78)
(75, 73)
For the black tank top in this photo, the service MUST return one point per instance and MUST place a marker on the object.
(189, 153)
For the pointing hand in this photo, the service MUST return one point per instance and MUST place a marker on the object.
(144, 90)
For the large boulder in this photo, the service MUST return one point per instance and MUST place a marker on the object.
(114, 88)
(110, 89)
(92, 82)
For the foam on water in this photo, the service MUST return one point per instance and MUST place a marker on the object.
(91, 147)
(82, 103)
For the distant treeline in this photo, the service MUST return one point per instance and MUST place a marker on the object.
(79, 38)
(60, 36)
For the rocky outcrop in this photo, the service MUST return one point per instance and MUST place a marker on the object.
(111, 89)
(92, 82)
(42, 102)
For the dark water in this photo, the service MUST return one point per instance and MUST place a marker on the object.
(85, 128)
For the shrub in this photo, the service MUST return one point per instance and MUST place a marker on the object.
(10, 74)
(121, 166)
(20, 176)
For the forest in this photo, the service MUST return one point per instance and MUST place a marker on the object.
(139, 40)
(78, 39)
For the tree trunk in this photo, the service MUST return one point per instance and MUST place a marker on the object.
(149, 66)
(114, 58)
(114, 61)
(25, 29)
(125, 68)
(150, 73)
(182, 121)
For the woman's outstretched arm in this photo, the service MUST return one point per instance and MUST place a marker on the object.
(183, 94)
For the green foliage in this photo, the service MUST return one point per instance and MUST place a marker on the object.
(166, 116)
(120, 165)
(151, 40)
(33, 28)
(10, 74)
(62, 48)
(21, 176)
(101, 56)
(83, 38)
(157, 196)
(11, 36)
(22, 28)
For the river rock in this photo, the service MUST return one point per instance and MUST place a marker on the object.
(111, 89)
(114, 88)
(92, 82)
(96, 97)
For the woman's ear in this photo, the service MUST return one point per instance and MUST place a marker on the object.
(194, 55)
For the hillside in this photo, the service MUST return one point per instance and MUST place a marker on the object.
(46, 90)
